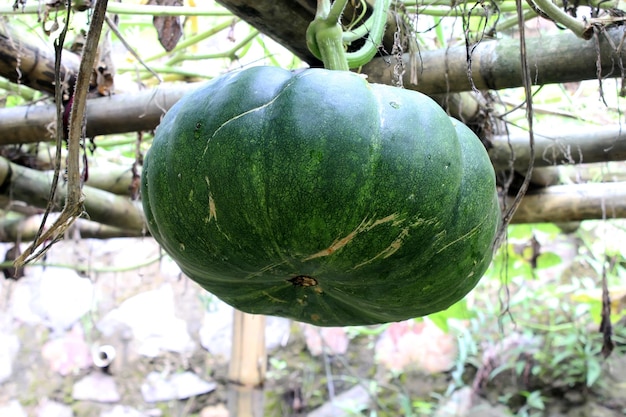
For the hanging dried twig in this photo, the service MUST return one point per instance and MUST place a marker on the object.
(527, 84)
(73, 208)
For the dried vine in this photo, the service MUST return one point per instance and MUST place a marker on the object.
(73, 208)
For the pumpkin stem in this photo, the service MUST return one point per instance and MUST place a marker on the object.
(325, 37)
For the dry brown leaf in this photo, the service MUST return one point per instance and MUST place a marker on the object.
(104, 68)
(168, 28)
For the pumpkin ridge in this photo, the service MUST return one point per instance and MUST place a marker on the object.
(250, 111)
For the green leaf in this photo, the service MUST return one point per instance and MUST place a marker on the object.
(594, 370)
(13, 101)
(458, 310)
(535, 400)
(547, 260)
(520, 231)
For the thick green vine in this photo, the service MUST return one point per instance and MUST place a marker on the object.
(325, 36)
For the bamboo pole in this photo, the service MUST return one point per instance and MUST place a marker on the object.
(245, 401)
(572, 202)
(582, 146)
(557, 58)
(248, 364)
(494, 65)
(33, 187)
(248, 358)
(25, 229)
(120, 113)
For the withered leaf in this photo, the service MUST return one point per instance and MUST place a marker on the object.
(104, 68)
(168, 28)
(11, 272)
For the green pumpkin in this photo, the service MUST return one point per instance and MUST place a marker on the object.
(321, 197)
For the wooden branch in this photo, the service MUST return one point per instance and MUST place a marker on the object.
(24, 229)
(120, 113)
(495, 65)
(247, 367)
(28, 60)
(245, 401)
(585, 145)
(563, 203)
(115, 179)
(33, 187)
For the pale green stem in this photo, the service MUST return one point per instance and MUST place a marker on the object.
(324, 35)
(336, 10)
(500, 4)
(163, 70)
(110, 143)
(359, 31)
(150, 10)
(193, 40)
(512, 22)
(444, 11)
(559, 16)
(444, 8)
(331, 48)
(323, 9)
(377, 30)
(441, 38)
(226, 54)
(23, 91)
(359, 19)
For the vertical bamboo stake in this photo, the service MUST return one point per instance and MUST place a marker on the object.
(248, 364)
